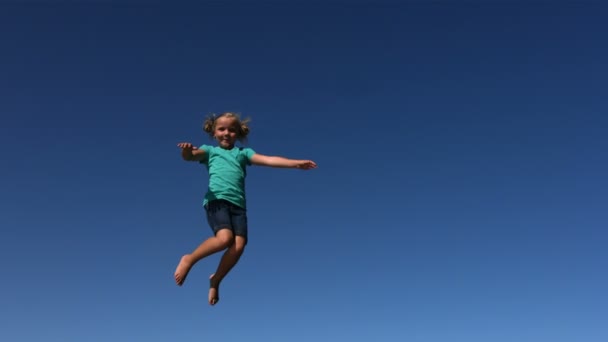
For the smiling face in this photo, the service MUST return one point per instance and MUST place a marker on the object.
(225, 131)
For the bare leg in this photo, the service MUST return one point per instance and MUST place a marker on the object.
(214, 244)
(229, 259)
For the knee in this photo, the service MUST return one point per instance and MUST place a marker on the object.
(239, 244)
(225, 237)
(239, 248)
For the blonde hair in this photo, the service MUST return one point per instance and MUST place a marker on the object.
(242, 125)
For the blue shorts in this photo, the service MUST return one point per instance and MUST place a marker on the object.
(222, 214)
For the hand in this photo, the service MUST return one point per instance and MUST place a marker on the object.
(187, 146)
(306, 164)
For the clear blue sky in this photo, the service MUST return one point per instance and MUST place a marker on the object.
(461, 193)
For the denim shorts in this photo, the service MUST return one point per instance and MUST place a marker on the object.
(222, 214)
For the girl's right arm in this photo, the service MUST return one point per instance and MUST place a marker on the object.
(191, 153)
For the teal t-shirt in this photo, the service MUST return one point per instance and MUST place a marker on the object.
(227, 171)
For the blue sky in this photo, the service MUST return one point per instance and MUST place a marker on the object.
(461, 193)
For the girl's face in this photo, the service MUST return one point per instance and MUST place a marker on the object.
(225, 132)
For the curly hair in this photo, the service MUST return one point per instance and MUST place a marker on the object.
(242, 124)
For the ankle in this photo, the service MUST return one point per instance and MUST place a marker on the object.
(214, 281)
(189, 259)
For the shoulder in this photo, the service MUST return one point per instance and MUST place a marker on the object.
(208, 151)
(247, 151)
(207, 148)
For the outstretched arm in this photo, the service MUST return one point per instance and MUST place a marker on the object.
(191, 153)
(272, 161)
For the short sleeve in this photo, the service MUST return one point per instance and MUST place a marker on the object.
(248, 152)
(207, 149)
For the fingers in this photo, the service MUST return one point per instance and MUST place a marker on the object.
(308, 164)
(186, 145)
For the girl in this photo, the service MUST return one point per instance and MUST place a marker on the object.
(224, 201)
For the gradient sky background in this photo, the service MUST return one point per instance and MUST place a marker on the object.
(461, 193)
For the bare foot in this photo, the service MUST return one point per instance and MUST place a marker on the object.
(214, 291)
(181, 272)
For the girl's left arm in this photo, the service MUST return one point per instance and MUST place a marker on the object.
(275, 161)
